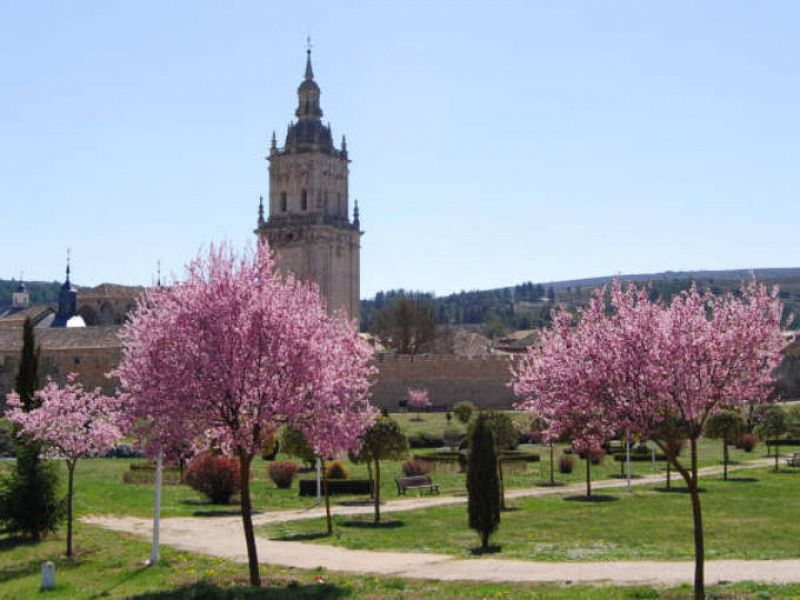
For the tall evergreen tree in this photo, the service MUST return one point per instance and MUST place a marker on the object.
(28, 501)
(483, 481)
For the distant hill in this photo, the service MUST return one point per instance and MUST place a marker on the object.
(786, 274)
(527, 305)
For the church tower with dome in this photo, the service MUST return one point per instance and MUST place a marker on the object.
(308, 225)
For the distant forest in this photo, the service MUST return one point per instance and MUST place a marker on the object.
(528, 305)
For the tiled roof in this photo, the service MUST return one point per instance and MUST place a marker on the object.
(63, 338)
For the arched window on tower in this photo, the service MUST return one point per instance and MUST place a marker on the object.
(283, 202)
(304, 200)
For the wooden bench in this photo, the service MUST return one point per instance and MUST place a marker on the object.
(416, 482)
(794, 461)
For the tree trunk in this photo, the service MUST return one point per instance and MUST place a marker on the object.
(247, 518)
(371, 478)
(777, 455)
(669, 474)
(70, 490)
(552, 466)
(725, 459)
(699, 548)
(484, 540)
(588, 475)
(328, 519)
(502, 485)
(377, 491)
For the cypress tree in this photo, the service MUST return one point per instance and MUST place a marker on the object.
(483, 481)
(28, 501)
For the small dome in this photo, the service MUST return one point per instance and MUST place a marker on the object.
(76, 321)
(308, 84)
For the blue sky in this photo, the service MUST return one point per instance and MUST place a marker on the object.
(492, 143)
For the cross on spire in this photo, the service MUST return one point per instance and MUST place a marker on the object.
(68, 261)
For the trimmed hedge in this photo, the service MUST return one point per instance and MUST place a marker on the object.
(308, 487)
(425, 440)
(639, 457)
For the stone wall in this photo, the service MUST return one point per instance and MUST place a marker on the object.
(789, 371)
(448, 379)
(94, 351)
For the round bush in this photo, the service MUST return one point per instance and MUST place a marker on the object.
(215, 477)
(416, 467)
(566, 463)
(336, 470)
(463, 411)
(748, 442)
(282, 473)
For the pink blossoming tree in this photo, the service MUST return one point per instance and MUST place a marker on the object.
(418, 399)
(659, 365)
(71, 422)
(236, 351)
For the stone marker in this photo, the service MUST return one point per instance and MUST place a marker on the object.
(48, 575)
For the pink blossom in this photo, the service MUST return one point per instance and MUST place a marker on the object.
(71, 422)
(234, 352)
(418, 398)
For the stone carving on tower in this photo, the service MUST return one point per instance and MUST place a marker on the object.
(308, 226)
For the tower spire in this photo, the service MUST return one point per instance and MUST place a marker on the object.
(261, 211)
(356, 216)
(309, 70)
(68, 261)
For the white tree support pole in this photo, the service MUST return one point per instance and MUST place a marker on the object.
(155, 553)
(628, 458)
(319, 482)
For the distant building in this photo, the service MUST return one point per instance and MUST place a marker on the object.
(308, 225)
(107, 304)
(67, 315)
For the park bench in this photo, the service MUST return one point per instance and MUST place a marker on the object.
(794, 461)
(416, 482)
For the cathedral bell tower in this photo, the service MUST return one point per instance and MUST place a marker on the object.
(308, 226)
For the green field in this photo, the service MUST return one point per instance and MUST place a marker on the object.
(752, 516)
(99, 488)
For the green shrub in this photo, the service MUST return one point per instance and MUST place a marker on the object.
(336, 470)
(293, 442)
(425, 440)
(483, 481)
(463, 411)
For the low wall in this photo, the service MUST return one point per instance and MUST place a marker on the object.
(448, 379)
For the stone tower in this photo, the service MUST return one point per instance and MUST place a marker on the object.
(308, 225)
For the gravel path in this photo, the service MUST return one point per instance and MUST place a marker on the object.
(222, 536)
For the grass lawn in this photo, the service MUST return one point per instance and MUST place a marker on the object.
(99, 488)
(752, 517)
(108, 565)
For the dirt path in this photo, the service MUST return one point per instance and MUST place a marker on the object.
(222, 536)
